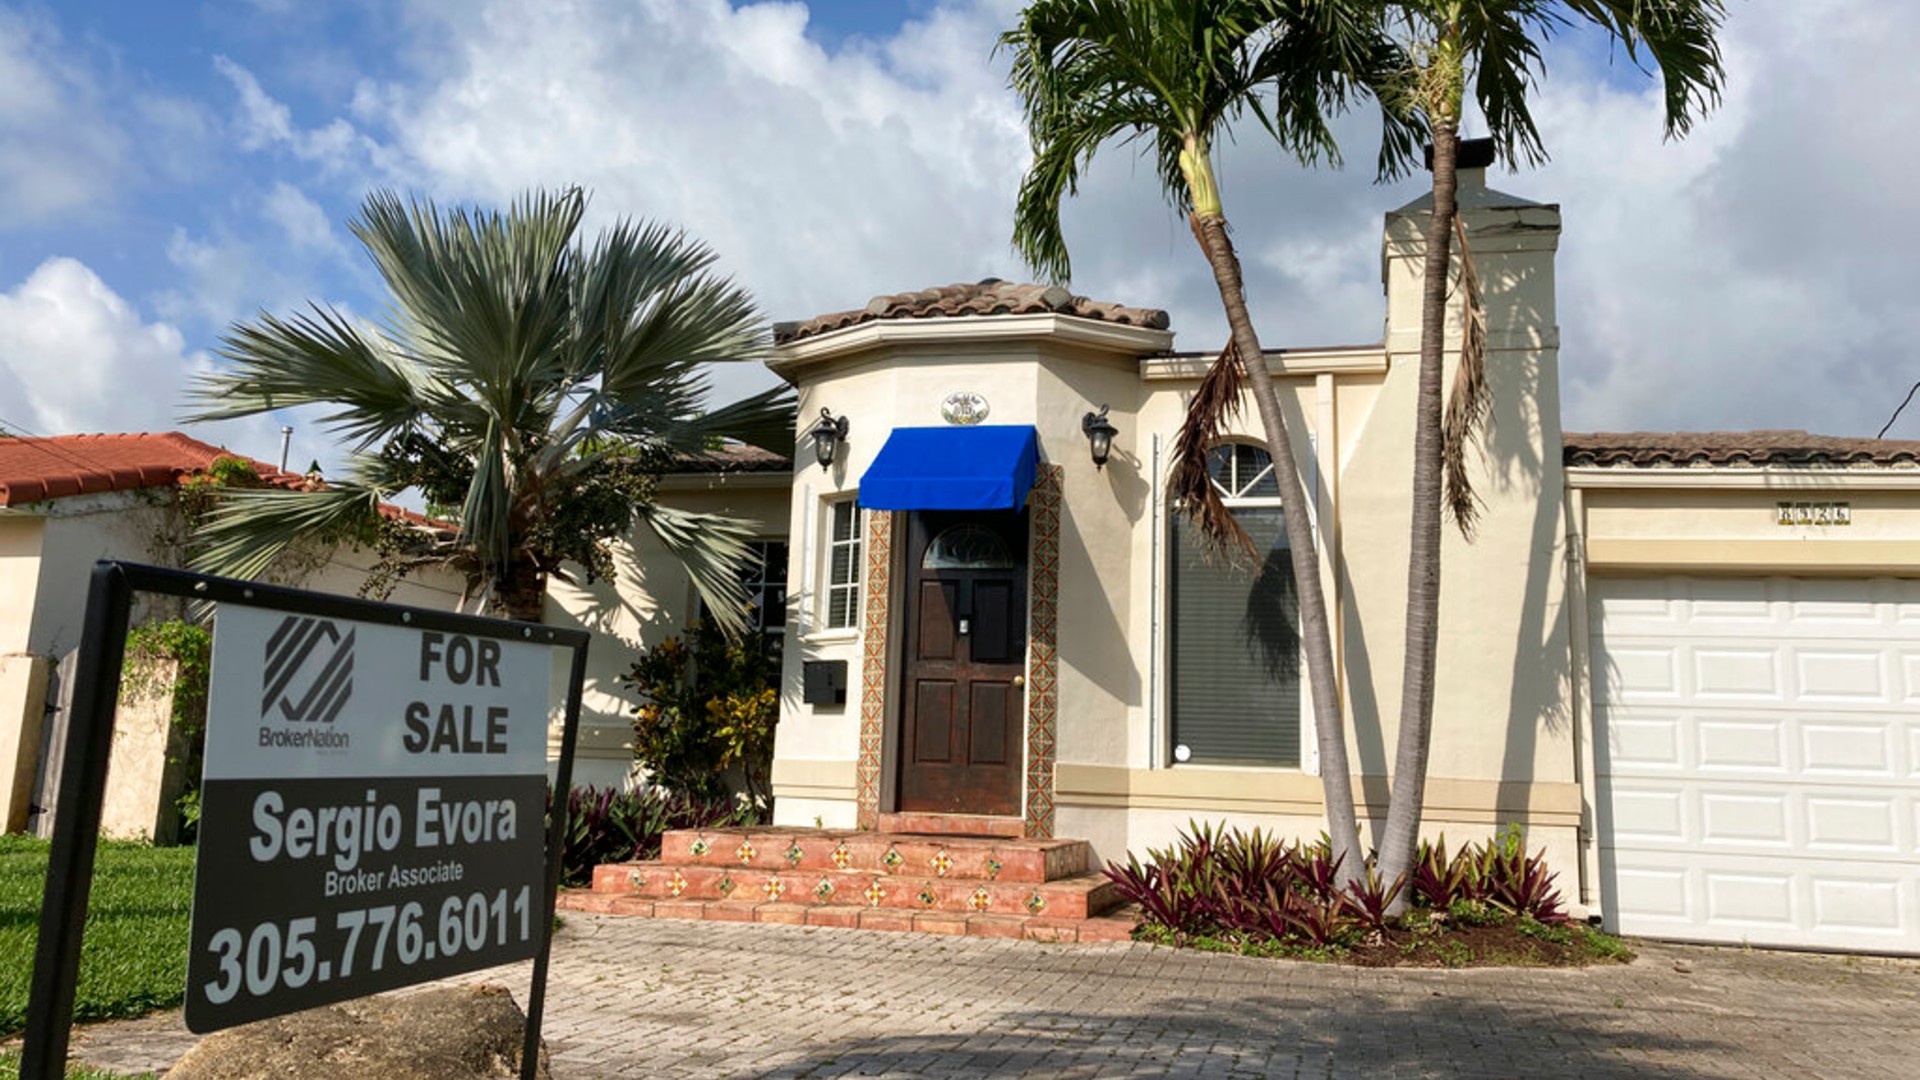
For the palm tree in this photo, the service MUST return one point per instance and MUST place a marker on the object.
(1495, 43)
(531, 383)
(1174, 74)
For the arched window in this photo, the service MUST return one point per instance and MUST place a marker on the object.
(968, 547)
(1234, 670)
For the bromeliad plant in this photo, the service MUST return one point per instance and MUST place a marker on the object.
(609, 825)
(1253, 889)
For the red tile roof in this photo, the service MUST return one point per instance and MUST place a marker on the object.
(36, 469)
(1751, 449)
(65, 465)
(990, 297)
(731, 458)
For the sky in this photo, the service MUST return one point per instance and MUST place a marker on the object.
(168, 169)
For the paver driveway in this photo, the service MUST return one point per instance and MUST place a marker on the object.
(664, 998)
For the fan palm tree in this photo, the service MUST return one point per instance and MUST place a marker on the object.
(532, 383)
(1495, 45)
(1174, 74)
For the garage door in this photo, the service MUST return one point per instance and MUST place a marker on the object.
(1758, 757)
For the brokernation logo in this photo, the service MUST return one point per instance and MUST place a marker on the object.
(308, 675)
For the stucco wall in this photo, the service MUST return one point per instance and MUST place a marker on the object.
(650, 599)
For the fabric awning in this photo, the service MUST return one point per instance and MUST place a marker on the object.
(952, 468)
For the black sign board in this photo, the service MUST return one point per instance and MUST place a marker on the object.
(371, 812)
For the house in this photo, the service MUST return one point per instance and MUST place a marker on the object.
(1686, 665)
(66, 502)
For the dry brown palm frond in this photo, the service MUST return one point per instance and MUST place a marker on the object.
(1192, 488)
(1470, 406)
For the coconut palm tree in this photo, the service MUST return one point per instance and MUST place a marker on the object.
(1174, 75)
(1495, 45)
(531, 382)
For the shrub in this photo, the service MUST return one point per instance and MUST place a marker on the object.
(1263, 893)
(608, 825)
(711, 706)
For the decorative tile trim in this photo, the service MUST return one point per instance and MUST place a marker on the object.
(1043, 660)
(873, 668)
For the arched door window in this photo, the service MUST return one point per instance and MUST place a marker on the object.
(1234, 671)
(968, 547)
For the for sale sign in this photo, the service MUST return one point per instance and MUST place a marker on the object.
(371, 813)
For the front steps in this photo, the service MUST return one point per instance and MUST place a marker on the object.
(940, 883)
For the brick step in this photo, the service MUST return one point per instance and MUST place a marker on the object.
(1077, 897)
(1113, 926)
(931, 824)
(797, 850)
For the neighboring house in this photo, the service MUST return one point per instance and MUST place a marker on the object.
(66, 502)
(1687, 665)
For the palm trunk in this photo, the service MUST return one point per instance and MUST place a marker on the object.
(1399, 843)
(522, 594)
(1315, 631)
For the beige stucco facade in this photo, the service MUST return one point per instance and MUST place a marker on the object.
(47, 552)
(1503, 742)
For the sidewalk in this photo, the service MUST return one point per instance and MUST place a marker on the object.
(666, 998)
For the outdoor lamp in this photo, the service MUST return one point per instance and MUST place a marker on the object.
(827, 436)
(1100, 432)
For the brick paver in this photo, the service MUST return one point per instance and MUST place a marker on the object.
(649, 998)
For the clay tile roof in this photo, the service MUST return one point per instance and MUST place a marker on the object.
(36, 469)
(1751, 449)
(990, 297)
(731, 458)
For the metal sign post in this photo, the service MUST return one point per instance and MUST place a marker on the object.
(371, 807)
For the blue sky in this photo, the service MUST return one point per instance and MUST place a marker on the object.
(168, 168)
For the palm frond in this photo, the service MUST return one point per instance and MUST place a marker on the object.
(713, 548)
(1470, 404)
(316, 357)
(1190, 482)
(251, 527)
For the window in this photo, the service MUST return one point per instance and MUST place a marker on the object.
(764, 575)
(1234, 674)
(843, 565)
(765, 578)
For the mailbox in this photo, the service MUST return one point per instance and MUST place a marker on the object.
(823, 682)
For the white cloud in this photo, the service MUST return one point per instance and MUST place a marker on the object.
(60, 153)
(1752, 275)
(262, 122)
(76, 357)
(82, 359)
(304, 223)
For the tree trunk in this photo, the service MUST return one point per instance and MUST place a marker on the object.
(1399, 843)
(1316, 631)
(522, 594)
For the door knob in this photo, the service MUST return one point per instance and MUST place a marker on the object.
(1019, 680)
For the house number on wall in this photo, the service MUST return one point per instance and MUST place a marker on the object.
(1813, 513)
(964, 407)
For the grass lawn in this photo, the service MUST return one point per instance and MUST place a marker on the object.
(135, 956)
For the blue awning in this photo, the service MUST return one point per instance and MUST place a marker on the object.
(952, 468)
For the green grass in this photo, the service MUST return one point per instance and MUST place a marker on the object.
(134, 959)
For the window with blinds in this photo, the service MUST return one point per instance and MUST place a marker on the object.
(1235, 636)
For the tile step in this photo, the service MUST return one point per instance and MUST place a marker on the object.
(1114, 926)
(1081, 896)
(953, 824)
(810, 850)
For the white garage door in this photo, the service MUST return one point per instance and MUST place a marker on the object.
(1758, 757)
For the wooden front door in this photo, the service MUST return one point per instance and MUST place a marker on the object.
(964, 718)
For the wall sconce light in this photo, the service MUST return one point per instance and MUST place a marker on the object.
(828, 434)
(1100, 432)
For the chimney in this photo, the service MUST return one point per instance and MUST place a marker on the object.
(1470, 163)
